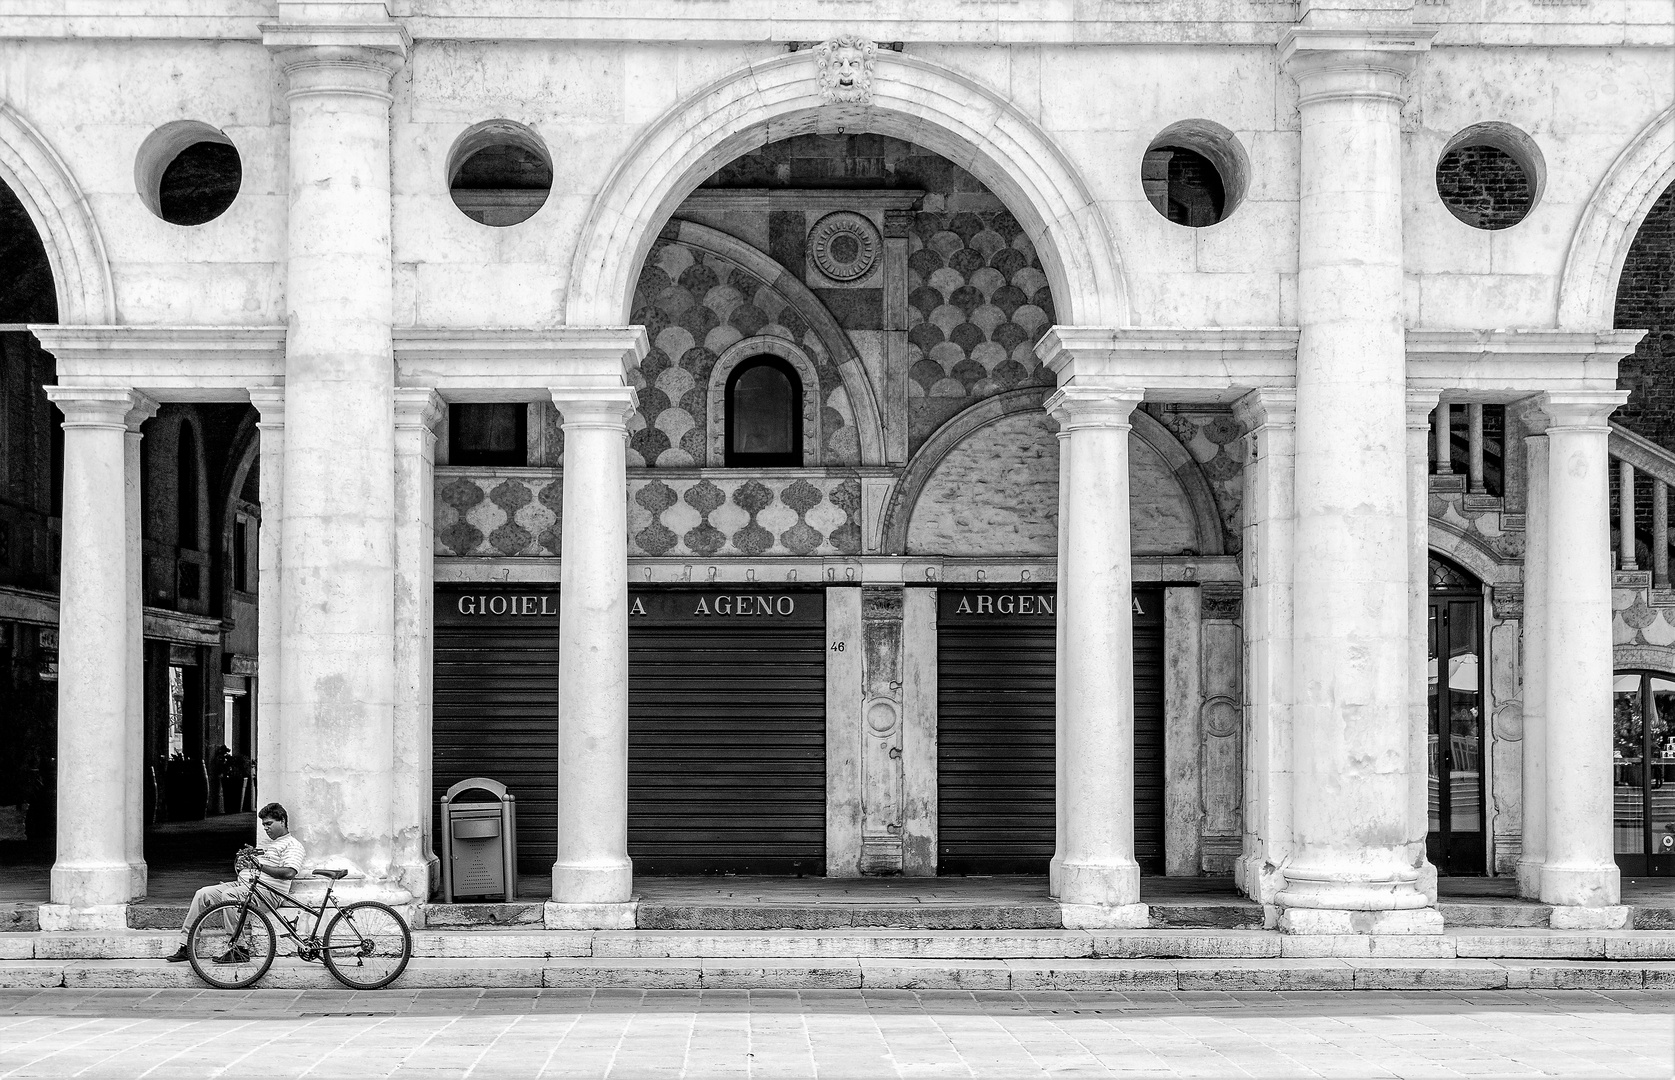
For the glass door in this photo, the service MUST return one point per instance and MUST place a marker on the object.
(1643, 773)
(1455, 843)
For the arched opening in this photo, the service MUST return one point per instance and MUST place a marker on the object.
(1455, 838)
(1646, 301)
(764, 414)
(1643, 772)
(186, 489)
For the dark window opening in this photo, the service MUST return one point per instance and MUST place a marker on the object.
(199, 184)
(1184, 186)
(1484, 186)
(490, 434)
(186, 494)
(189, 583)
(764, 412)
(502, 184)
(241, 556)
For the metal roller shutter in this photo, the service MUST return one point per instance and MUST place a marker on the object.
(727, 733)
(726, 729)
(995, 742)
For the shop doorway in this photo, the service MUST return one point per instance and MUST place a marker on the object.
(1643, 773)
(996, 782)
(1455, 843)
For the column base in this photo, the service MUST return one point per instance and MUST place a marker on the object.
(1258, 879)
(94, 917)
(1529, 879)
(1055, 877)
(1581, 886)
(1341, 921)
(420, 879)
(91, 886)
(558, 916)
(138, 880)
(1109, 884)
(1102, 917)
(593, 883)
(1614, 917)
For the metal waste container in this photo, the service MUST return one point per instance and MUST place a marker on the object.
(480, 842)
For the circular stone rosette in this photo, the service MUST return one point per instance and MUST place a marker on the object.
(845, 245)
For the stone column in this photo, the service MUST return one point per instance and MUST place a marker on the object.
(593, 875)
(1099, 881)
(270, 405)
(337, 592)
(416, 411)
(1352, 869)
(1055, 867)
(1269, 417)
(1579, 875)
(134, 731)
(1421, 404)
(92, 877)
(1532, 851)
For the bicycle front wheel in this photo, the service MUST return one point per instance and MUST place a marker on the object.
(231, 945)
(367, 946)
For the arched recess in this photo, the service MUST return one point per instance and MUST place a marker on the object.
(1472, 555)
(58, 207)
(912, 99)
(736, 354)
(1645, 657)
(1615, 211)
(869, 422)
(899, 516)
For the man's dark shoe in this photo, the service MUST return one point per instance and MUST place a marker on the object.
(235, 955)
(178, 956)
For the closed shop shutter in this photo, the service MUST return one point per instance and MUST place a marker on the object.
(495, 704)
(996, 661)
(726, 729)
(727, 732)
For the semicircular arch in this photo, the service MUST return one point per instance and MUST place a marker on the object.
(1614, 213)
(42, 182)
(1471, 555)
(912, 99)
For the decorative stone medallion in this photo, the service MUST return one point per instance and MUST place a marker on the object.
(845, 65)
(1220, 716)
(844, 245)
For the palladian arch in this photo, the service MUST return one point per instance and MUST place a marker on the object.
(911, 99)
(59, 209)
(1615, 211)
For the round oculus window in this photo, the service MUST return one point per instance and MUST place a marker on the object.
(844, 245)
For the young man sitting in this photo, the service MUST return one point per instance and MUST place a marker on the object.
(280, 862)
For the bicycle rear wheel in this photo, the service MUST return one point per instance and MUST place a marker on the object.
(231, 945)
(367, 945)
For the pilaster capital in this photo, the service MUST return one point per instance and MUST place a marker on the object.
(1530, 415)
(270, 405)
(417, 407)
(1339, 62)
(1078, 406)
(338, 59)
(1581, 410)
(1268, 406)
(97, 406)
(1420, 405)
(595, 406)
(144, 408)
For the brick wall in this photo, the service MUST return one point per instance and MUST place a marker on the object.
(1484, 187)
(1646, 301)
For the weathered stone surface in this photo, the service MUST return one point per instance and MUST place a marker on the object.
(750, 973)
(615, 971)
(902, 973)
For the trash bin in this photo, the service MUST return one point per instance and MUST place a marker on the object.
(480, 842)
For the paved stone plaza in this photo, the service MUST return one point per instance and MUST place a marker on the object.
(833, 1033)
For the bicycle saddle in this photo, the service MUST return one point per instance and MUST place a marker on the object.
(333, 874)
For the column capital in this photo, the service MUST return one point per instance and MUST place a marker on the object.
(1528, 412)
(595, 406)
(338, 59)
(1093, 406)
(270, 405)
(417, 407)
(1580, 410)
(1335, 62)
(1268, 406)
(97, 406)
(1420, 405)
(143, 409)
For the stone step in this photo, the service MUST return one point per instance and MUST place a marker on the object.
(794, 945)
(761, 973)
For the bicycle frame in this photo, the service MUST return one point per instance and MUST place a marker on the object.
(308, 946)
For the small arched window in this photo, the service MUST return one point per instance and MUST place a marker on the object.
(764, 414)
(186, 493)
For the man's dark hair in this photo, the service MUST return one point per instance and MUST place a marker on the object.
(273, 812)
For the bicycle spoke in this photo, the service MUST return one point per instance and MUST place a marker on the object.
(367, 945)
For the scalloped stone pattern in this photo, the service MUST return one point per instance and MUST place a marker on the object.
(495, 515)
(694, 305)
(977, 302)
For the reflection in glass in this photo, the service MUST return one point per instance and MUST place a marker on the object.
(1433, 799)
(763, 410)
(1643, 767)
(1465, 720)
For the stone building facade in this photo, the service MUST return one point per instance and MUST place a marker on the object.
(1026, 435)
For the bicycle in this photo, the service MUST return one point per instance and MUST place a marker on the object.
(233, 944)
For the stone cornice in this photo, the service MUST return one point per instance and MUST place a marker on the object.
(1207, 364)
(169, 363)
(1501, 365)
(493, 364)
(388, 37)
